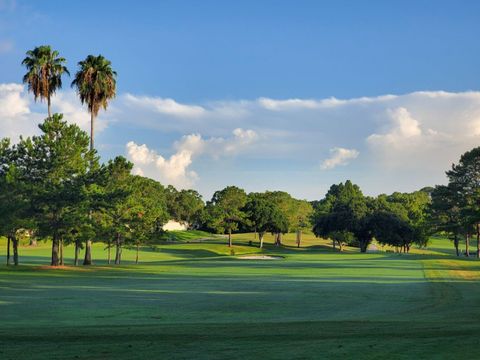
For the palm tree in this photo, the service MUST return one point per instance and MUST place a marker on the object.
(95, 82)
(96, 85)
(44, 73)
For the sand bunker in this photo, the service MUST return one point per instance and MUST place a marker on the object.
(259, 257)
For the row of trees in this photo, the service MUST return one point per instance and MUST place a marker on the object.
(53, 187)
(346, 216)
(277, 212)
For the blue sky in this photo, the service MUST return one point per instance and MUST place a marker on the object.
(289, 95)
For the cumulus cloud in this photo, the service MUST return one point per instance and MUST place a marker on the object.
(406, 141)
(339, 156)
(20, 115)
(16, 117)
(403, 128)
(174, 170)
(12, 101)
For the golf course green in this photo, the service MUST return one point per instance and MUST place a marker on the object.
(198, 299)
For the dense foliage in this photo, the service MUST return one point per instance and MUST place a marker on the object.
(53, 186)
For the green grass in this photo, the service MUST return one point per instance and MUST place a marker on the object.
(190, 235)
(197, 301)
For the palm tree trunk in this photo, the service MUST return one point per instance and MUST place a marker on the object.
(92, 130)
(8, 250)
(49, 105)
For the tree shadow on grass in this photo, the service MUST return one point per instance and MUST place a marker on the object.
(186, 253)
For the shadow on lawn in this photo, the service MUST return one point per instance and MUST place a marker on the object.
(347, 260)
(185, 253)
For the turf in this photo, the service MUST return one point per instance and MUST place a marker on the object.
(198, 301)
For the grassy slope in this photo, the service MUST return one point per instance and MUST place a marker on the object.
(194, 301)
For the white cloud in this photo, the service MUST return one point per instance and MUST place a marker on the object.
(403, 127)
(272, 104)
(16, 117)
(165, 106)
(67, 103)
(406, 141)
(12, 101)
(175, 169)
(20, 115)
(339, 156)
(298, 104)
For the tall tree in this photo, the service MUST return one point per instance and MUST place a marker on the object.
(96, 83)
(340, 213)
(411, 208)
(147, 212)
(464, 177)
(225, 211)
(45, 68)
(58, 164)
(445, 213)
(389, 229)
(114, 214)
(15, 214)
(265, 216)
(301, 219)
(185, 206)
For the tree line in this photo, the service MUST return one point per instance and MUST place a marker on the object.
(53, 186)
(348, 217)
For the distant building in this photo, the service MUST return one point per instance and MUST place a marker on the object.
(173, 225)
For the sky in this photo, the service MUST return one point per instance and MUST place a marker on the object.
(278, 95)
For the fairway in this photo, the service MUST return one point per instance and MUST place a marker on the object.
(197, 301)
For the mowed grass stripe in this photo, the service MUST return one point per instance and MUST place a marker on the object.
(313, 303)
